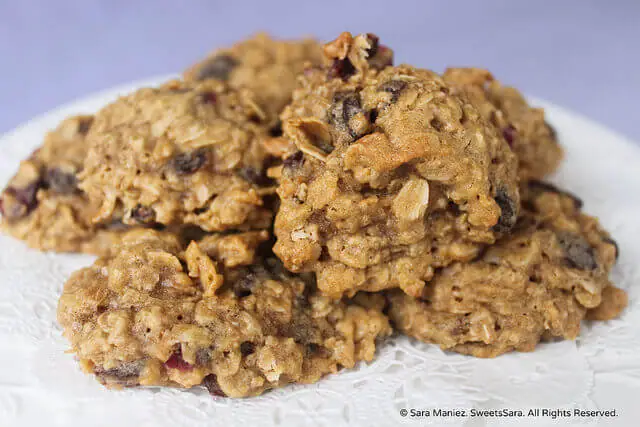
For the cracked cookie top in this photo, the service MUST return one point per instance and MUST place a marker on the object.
(531, 138)
(180, 154)
(392, 168)
(268, 67)
(217, 314)
(42, 203)
(537, 283)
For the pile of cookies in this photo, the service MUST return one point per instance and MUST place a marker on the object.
(273, 215)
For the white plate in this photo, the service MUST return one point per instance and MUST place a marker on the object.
(40, 385)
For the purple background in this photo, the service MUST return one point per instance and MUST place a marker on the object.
(580, 54)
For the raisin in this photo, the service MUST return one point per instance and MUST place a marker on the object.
(219, 67)
(247, 348)
(143, 214)
(615, 245)
(276, 130)
(203, 356)
(84, 125)
(294, 161)
(461, 327)
(394, 87)
(25, 201)
(508, 212)
(545, 186)
(176, 361)
(125, 375)
(342, 68)
(346, 106)
(373, 43)
(211, 383)
(254, 176)
(552, 131)
(190, 162)
(244, 286)
(60, 182)
(510, 133)
(577, 251)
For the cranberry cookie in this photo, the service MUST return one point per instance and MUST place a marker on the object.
(537, 283)
(180, 154)
(395, 176)
(42, 203)
(216, 314)
(532, 139)
(267, 67)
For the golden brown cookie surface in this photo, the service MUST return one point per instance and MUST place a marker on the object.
(395, 175)
(538, 282)
(266, 66)
(42, 203)
(215, 314)
(180, 154)
(532, 139)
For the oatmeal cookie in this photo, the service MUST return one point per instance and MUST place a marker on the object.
(42, 203)
(532, 139)
(395, 175)
(217, 314)
(537, 283)
(266, 66)
(180, 154)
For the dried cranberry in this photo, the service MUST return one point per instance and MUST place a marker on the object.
(211, 383)
(143, 214)
(508, 212)
(219, 67)
(394, 87)
(247, 348)
(60, 182)
(342, 68)
(177, 362)
(510, 134)
(294, 161)
(577, 251)
(208, 97)
(190, 162)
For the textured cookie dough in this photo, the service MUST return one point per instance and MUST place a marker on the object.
(268, 67)
(537, 283)
(180, 154)
(395, 175)
(216, 314)
(42, 203)
(532, 139)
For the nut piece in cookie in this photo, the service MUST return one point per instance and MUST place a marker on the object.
(537, 283)
(268, 67)
(395, 175)
(42, 203)
(524, 128)
(180, 154)
(218, 315)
